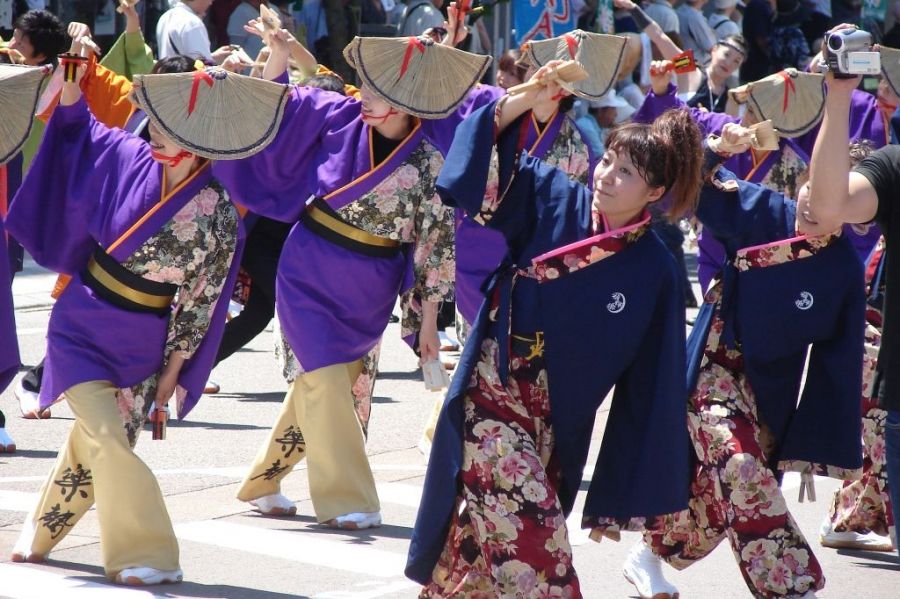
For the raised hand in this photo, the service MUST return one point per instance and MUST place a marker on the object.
(660, 76)
(456, 28)
(81, 39)
(132, 19)
(735, 138)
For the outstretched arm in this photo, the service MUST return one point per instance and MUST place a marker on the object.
(836, 194)
(667, 47)
(549, 93)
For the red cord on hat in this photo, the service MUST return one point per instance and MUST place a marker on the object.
(572, 44)
(788, 87)
(411, 43)
(199, 76)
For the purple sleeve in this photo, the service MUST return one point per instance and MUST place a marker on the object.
(76, 175)
(654, 106)
(440, 132)
(277, 181)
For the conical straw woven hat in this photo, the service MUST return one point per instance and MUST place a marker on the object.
(214, 113)
(20, 87)
(890, 67)
(631, 57)
(794, 101)
(414, 74)
(600, 54)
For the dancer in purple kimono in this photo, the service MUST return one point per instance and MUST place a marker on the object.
(777, 169)
(548, 344)
(357, 176)
(148, 261)
(9, 347)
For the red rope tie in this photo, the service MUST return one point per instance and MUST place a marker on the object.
(789, 88)
(572, 45)
(411, 43)
(195, 88)
(172, 161)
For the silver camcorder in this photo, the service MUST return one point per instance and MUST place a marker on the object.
(848, 53)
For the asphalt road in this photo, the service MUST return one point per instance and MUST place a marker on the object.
(228, 550)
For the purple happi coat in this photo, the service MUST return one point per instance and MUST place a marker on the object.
(479, 249)
(88, 185)
(334, 303)
(777, 169)
(9, 345)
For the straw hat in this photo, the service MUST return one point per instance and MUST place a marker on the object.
(631, 57)
(214, 113)
(794, 101)
(890, 67)
(414, 74)
(20, 87)
(600, 54)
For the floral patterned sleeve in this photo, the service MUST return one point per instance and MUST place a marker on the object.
(434, 257)
(198, 294)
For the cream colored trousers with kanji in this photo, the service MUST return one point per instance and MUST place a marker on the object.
(98, 465)
(320, 404)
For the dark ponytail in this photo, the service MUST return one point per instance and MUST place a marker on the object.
(668, 154)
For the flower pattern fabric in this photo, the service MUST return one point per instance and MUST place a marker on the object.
(569, 153)
(186, 252)
(864, 505)
(405, 207)
(510, 540)
(588, 252)
(779, 253)
(194, 250)
(734, 493)
(782, 177)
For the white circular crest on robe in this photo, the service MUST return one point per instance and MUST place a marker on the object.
(617, 304)
(806, 300)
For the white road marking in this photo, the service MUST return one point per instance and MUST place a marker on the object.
(17, 501)
(380, 590)
(28, 582)
(294, 547)
(400, 494)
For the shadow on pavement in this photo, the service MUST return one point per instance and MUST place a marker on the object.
(31, 453)
(414, 375)
(353, 537)
(277, 396)
(95, 575)
(213, 425)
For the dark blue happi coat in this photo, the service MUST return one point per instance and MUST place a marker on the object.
(591, 344)
(776, 313)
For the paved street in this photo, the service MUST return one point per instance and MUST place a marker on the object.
(227, 550)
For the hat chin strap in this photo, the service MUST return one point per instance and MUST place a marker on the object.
(172, 161)
(379, 120)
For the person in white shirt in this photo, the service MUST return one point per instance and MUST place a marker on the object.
(696, 33)
(723, 21)
(180, 30)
